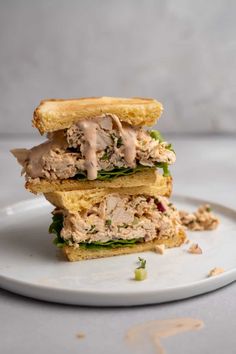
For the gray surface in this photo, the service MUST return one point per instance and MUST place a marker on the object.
(180, 52)
(206, 168)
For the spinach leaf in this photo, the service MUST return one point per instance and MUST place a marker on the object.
(55, 228)
(109, 244)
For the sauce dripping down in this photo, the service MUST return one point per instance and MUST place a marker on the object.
(89, 129)
(129, 140)
(32, 159)
(156, 330)
(128, 135)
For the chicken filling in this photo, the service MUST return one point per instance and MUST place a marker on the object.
(117, 217)
(90, 146)
(200, 220)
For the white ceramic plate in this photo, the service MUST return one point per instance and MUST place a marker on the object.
(31, 265)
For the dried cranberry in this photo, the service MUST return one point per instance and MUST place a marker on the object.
(160, 207)
(148, 199)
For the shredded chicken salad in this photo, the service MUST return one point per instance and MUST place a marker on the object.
(100, 144)
(122, 217)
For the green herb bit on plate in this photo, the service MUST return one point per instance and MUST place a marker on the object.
(140, 273)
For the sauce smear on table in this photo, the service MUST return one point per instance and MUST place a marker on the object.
(156, 330)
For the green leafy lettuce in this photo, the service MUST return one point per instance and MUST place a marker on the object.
(57, 224)
(109, 244)
(117, 172)
(123, 171)
(55, 228)
(165, 168)
(156, 135)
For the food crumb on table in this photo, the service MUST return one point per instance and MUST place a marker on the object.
(80, 335)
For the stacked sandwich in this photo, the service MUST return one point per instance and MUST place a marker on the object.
(107, 176)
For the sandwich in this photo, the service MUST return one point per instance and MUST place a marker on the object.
(93, 140)
(106, 175)
(106, 222)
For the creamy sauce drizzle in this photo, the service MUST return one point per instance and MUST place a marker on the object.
(129, 139)
(89, 129)
(128, 135)
(32, 160)
(156, 330)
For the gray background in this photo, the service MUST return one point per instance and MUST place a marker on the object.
(180, 52)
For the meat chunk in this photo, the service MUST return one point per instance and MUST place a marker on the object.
(116, 218)
(106, 123)
(59, 165)
(22, 156)
(215, 271)
(195, 249)
(111, 203)
(121, 215)
(103, 140)
(202, 219)
(160, 249)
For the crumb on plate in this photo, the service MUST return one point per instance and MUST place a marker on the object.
(215, 271)
(195, 249)
(160, 248)
(200, 220)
